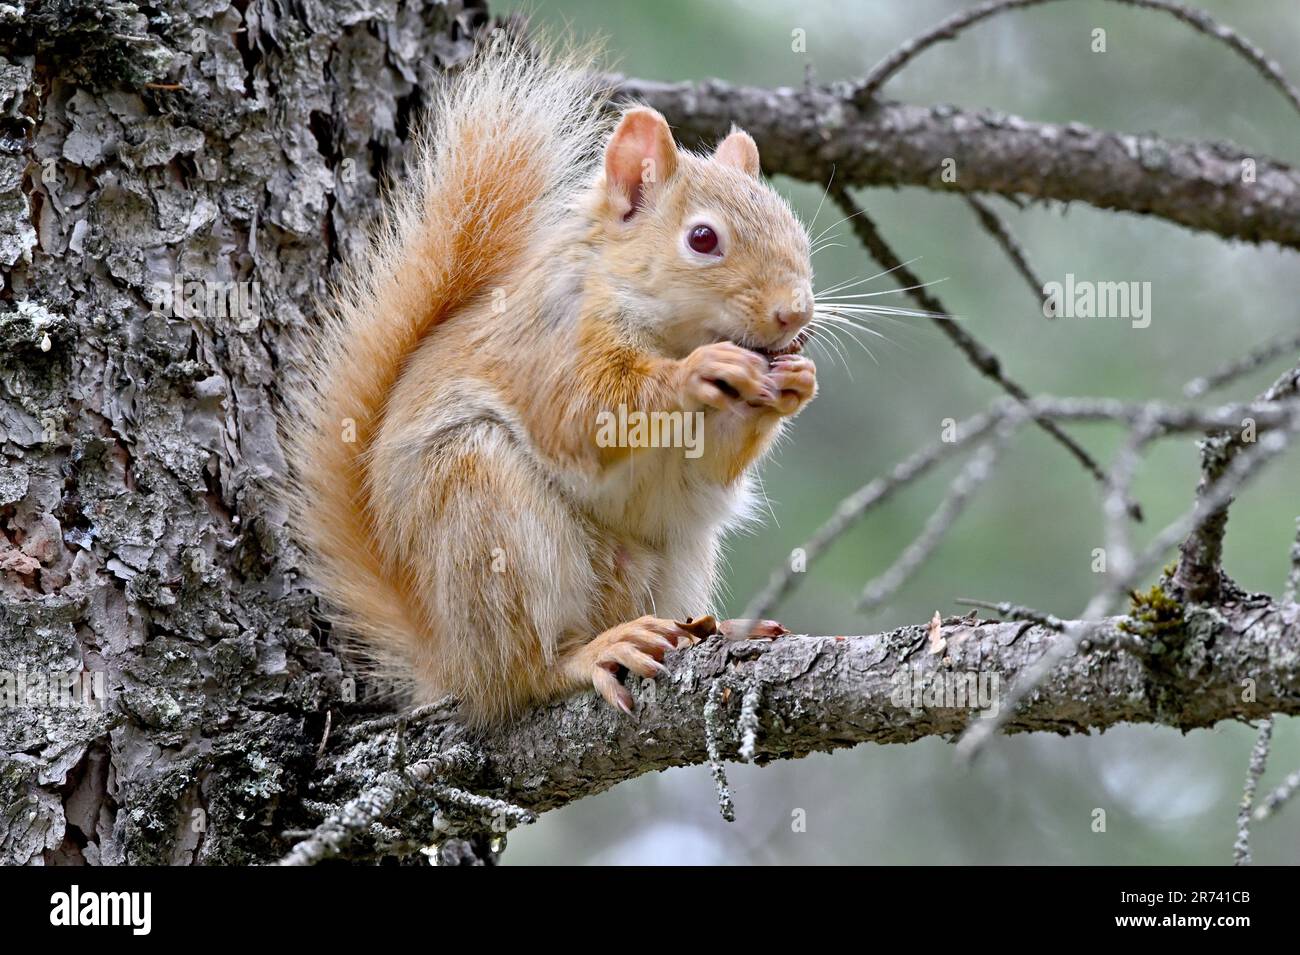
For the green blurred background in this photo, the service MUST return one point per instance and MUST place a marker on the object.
(1028, 537)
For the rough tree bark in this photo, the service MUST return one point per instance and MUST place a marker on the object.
(218, 142)
(245, 143)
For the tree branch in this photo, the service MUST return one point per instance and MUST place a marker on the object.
(1199, 572)
(809, 132)
(825, 693)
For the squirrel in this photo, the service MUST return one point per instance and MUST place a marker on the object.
(453, 498)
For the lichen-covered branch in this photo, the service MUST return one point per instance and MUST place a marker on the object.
(1237, 661)
(1258, 761)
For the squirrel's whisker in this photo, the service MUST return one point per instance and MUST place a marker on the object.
(825, 192)
(882, 310)
(887, 291)
(832, 325)
(911, 326)
(831, 344)
(838, 222)
(841, 321)
(828, 245)
(851, 283)
(860, 343)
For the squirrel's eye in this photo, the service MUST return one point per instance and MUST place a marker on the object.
(702, 239)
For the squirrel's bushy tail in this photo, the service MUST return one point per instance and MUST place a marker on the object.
(508, 142)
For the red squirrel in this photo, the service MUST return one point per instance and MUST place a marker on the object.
(457, 505)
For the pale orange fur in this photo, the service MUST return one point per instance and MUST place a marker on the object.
(475, 536)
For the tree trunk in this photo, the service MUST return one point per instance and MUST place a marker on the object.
(174, 190)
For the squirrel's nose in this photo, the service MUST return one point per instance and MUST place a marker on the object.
(787, 318)
(794, 313)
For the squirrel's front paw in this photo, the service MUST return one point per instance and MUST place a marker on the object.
(639, 645)
(723, 374)
(794, 379)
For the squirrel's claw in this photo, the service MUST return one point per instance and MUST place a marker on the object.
(794, 378)
(637, 646)
(614, 692)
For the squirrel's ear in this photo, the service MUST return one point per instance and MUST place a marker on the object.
(738, 150)
(640, 153)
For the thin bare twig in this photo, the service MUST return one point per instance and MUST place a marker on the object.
(1286, 386)
(1168, 418)
(1015, 612)
(981, 357)
(995, 227)
(1278, 797)
(866, 89)
(969, 480)
(1249, 362)
(1114, 509)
